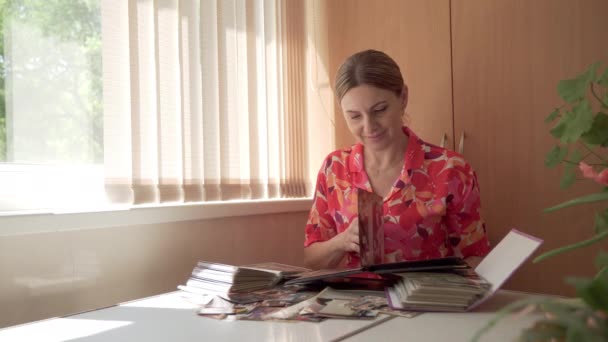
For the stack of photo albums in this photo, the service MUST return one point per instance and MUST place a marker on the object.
(221, 279)
(437, 291)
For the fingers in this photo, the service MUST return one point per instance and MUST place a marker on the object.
(354, 247)
(351, 243)
(354, 226)
(352, 238)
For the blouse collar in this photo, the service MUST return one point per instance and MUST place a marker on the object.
(413, 160)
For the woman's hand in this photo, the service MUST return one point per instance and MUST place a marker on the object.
(348, 240)
(332, 253)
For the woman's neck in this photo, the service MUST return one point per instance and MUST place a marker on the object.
(388, 157)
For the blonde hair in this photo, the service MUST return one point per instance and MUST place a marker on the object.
(371, 67)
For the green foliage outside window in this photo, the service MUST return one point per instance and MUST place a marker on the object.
(74, 21)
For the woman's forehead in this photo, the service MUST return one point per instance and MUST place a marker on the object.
(366, 95)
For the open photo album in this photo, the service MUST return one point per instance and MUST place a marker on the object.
(371, 245)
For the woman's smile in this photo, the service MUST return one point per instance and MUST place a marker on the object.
(376, 136)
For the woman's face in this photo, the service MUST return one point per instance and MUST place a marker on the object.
(373, 115)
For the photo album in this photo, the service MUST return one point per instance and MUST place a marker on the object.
(371, 245)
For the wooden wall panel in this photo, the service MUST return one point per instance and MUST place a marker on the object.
(414, 33)
(508, 56)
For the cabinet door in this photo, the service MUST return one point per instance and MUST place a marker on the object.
(508, 57)
(414, 33)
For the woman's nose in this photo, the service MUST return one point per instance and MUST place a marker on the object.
(369, 123)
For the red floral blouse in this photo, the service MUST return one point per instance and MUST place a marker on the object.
(431, 211)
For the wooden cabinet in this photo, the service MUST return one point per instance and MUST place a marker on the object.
(508, 57)
(502, 60)
(414, 33)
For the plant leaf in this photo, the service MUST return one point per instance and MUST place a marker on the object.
(601, 222)
(576, 156)
(573, 90)
(555, 156)
(603, 80)
(574, 318)
(576, 335)
(554, 114)
(601, 260)
(597, 134)
(505, 311)
(544, 330)
(568, 178)
(575, 323)
(600, 196)
(559, 129)
(579, 122)
(597, 238)
(593, 291)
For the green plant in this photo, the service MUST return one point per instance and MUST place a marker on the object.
(582, 130)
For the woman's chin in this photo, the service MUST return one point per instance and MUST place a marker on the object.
(376, 143)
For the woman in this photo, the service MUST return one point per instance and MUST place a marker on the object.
(430, 194)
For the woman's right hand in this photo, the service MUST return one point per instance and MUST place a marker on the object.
(348, 240)
(333, 253)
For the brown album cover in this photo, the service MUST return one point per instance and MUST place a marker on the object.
(371, 234)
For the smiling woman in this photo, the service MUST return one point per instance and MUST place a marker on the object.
(373, 116)
(431, 201)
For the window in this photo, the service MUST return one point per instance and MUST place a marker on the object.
(51, 115)
(148, 101)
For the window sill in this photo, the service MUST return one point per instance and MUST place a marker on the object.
(39, 222)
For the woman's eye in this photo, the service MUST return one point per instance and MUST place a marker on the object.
(355, 117)
(380, 110)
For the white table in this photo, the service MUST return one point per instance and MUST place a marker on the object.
(169, 317)
(455, 326)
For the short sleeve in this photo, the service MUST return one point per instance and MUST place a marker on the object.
(466, 229)
(320, 225)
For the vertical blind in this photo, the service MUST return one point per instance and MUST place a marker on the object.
(204, 100)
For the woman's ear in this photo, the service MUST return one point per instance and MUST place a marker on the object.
(404, 97)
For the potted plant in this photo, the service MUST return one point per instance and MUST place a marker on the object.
(581, 125)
